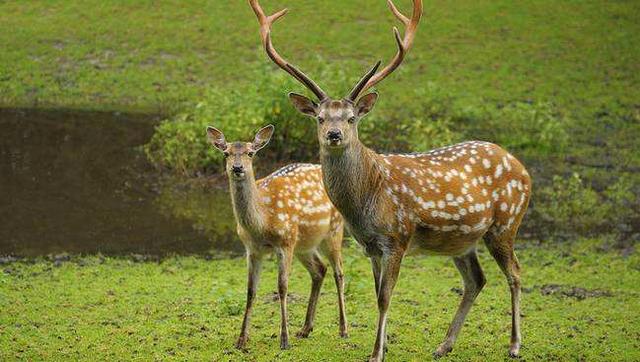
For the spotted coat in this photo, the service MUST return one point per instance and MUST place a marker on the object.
(295, 210)
(444, 200)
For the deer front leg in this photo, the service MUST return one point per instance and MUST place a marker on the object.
(254, 264)
(389, 270)
(284, 266)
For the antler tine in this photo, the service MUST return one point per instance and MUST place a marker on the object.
(397, 13)
(404, 44)
(308, 82)
(265, 34)
(361, 83)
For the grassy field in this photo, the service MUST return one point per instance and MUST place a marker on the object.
(580, 302)
(564, 74)
(581, 55)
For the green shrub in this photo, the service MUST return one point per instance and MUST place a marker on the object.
(429, 118)
(568, 206)
(529, 129)
(623, 196)
(433, 117)
(180, 144)
(419, 125)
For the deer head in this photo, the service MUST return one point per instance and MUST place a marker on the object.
(239, 155)
(338, 118)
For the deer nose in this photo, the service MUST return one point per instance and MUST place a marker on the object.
(237, 169)
(334, 135)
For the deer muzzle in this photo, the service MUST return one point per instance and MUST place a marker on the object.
(334, 137)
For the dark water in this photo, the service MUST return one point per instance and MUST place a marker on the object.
(78, 182)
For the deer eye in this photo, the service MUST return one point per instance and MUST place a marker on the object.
(320, 120)
(352, 119)
(250, 153)
(225, 153)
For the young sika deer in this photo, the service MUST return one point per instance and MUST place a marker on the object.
(442, 201)
(287, 212)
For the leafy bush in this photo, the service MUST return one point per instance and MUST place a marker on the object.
(419, 125)
(433, 117)
(531, 129)
(569, 206)
(428, 117)
(180, 143)
(623, 195)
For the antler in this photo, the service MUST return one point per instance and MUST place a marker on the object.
(404, 45)
(265, 33)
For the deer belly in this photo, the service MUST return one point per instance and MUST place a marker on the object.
(444, 242)
(451, 230)
(310, 237)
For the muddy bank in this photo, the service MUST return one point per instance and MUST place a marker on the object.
(78, 182)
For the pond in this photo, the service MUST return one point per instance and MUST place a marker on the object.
(78, 182)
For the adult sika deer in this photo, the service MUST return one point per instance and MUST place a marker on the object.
(287, 212)
(442, 201)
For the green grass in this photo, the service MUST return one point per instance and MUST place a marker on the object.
(187, 308)
(581, 55)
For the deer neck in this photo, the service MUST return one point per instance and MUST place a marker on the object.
(246, 204)
(352, 180)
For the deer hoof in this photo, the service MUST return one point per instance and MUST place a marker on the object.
(242, 342)
(284, 344)
(304, 332)
(514, 351)
(442, 350)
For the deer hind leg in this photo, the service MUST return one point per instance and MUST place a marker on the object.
(254, 263)
(376, 268)
(317, 271)
(501, 248)
(474, 280)
(285, 257)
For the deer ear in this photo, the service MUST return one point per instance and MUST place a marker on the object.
(303, 104)
(365, 104)
(216, 137)
(262, 137)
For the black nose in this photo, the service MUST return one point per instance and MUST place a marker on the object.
(334, 135)
(237, 169)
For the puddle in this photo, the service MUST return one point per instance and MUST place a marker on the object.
(77, 182)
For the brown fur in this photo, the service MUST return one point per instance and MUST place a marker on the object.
(442, 202)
